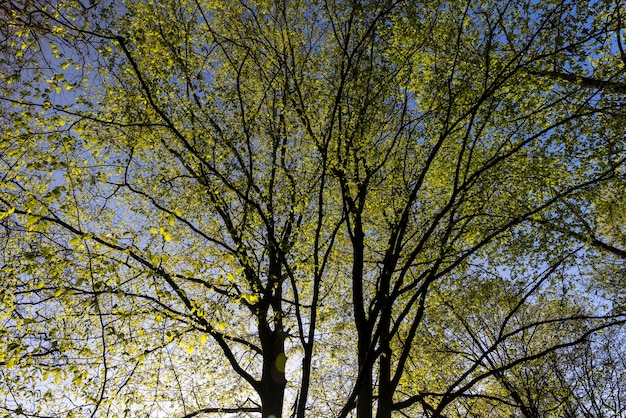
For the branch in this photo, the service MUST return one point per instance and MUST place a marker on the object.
(223, 411)
(589, 239)
(586, 82)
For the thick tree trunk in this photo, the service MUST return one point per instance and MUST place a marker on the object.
(274, 393)
(273, 380)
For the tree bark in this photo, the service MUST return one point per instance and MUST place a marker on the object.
(273, 380)
(385, 385)
(365, 394)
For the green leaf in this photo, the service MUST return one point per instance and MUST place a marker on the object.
(4, 215)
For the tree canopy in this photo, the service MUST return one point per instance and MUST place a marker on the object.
(326, 208)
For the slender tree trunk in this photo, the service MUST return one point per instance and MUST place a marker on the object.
(385, 387)
(365, 397)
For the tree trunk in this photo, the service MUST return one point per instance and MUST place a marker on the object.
(273, 380)
(365, 397)
(273, 397)
(385, 386)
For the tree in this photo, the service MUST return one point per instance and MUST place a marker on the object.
(214, 208)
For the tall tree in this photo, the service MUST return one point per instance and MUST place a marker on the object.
(275, 207)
